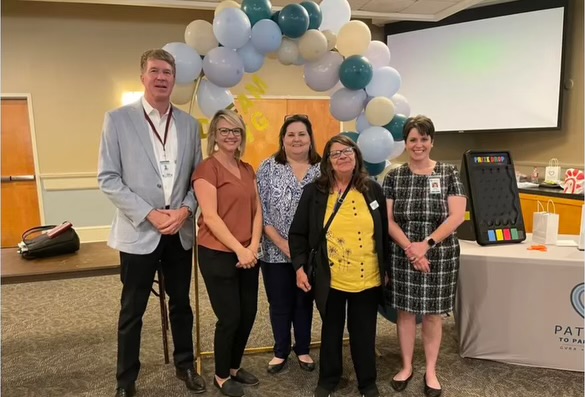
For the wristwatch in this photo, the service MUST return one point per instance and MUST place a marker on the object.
(430, 242)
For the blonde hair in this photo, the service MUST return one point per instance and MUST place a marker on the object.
(234, 119)
(158, 54)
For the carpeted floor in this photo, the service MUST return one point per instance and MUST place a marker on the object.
(59, 339)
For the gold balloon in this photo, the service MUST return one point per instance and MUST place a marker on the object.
(225, 4)
(182, 93)
(313, 45)
(353, 38)
(199, 36)
(379, 111)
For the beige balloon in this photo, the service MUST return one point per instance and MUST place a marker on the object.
(288, 53)
(353, 38)
(313, 45)
(182, 94)
(225, 4)
(379, 111)
(199, 36)
(331, 39)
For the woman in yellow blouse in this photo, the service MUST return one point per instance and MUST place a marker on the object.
(350, 262)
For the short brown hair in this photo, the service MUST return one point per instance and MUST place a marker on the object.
(280, 155)
(423, 124)
(158, 54)
(231, 117)
(359, 178)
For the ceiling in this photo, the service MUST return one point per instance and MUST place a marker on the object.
(379, 11)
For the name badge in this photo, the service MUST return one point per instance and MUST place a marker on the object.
(374, 204)
(165, 169)
(435, 185)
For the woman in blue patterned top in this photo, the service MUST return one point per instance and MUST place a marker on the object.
(281, 179)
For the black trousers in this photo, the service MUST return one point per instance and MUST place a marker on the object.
(233, 294)
(362, 311)
(137, 275)
(289, 305)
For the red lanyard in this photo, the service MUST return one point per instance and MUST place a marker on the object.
(163, 141)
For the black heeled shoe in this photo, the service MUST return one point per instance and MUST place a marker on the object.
(276, 368)
(400, 385)
(430, 392)
(309, 367)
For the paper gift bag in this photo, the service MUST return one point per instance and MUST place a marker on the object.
(545, 224)
(552, 173)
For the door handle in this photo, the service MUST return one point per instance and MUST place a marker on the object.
(18, 178)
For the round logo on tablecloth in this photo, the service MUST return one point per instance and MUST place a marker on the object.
(577, 301)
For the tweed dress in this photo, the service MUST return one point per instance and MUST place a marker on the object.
(419, 209)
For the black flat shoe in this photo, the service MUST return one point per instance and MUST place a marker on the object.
(192, 379)
(400, 385)
(129, 391)
(430, 392)
(230, 388)
(246, 378)
(276, 368)
(309, 367)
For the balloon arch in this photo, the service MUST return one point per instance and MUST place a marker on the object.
(335, 52)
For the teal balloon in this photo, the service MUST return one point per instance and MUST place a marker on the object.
(315, 14)
(396, 127)
(293, 20)
(274, 16)
(257, 10)
(351, 135)
(356, 72)
(375, 168)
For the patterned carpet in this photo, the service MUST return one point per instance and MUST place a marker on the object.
(59, 339)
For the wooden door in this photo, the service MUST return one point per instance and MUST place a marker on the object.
(20, 202)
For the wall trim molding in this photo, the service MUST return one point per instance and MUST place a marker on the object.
(92, 234)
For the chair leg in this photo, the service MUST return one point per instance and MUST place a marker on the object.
(163, 314)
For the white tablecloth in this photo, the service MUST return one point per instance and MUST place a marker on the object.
(520, 306)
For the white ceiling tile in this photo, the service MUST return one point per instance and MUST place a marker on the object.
(357, 4)
(387, 6)
(429, 6)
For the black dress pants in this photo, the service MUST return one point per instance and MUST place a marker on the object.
(137, 275)
(233, 293)
(289, 305)
(362, 311)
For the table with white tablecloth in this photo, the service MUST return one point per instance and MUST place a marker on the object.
(521, 306)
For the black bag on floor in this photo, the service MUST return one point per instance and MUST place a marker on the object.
(50, 240)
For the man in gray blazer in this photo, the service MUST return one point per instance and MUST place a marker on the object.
(148, 152)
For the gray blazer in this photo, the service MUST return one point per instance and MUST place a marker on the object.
(129, 175)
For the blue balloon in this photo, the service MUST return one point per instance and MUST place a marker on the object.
(396, 127)
(375, 168)
(355, 72)
(232, 28)
(223, 67)
(293, 20)
(251, 58)
(257, 10)
(266, 36)
(351, 135)
(315, 14)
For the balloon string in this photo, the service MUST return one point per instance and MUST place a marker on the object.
(197, 83)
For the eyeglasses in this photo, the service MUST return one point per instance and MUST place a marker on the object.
(337, 153)
(226, 131)
(296, 116)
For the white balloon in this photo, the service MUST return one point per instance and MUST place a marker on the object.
(378, 54)
(385, 82)
(288, 53)
(336, 13)
(376, 144)
(323, 74)
(346, 104)
(211, 98)
(401, 105)
(397, 150)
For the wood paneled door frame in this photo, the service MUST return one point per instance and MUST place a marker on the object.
(33, 143)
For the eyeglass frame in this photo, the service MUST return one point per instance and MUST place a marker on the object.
(228, 130)
(336, 154)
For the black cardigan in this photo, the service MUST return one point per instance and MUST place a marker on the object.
(308, 224)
